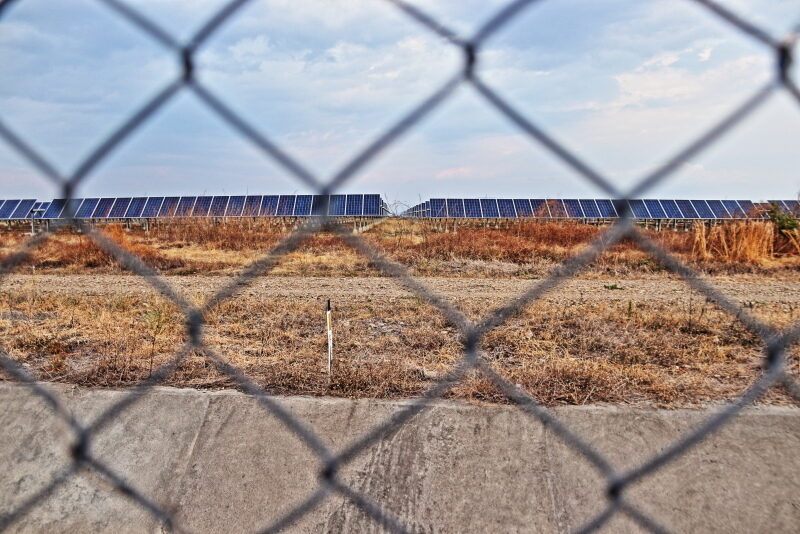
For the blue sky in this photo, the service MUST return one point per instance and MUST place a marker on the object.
(623, 83)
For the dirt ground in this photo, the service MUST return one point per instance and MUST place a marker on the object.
(746, 289)
(625, 330)
(644, 340)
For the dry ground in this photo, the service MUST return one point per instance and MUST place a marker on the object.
(647, 340)
(624, 331)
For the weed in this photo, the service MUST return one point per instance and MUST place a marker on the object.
(524, 249)
(561, 352)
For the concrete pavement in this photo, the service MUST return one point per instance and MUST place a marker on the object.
(220, 463)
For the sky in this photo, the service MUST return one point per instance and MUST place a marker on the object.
(624, 84)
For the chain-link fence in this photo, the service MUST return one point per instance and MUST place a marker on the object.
(775, 343)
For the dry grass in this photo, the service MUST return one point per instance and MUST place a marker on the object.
(523, 249)
(665, 354)
(562, 352)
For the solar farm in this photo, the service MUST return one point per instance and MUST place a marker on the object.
(373, 205)
(594, 209)
(92, 322)
(121, 208)
(296, 312)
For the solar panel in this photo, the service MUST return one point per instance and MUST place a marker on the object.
(269, 206)
(523, 207)
(438, 207)
(251, 206)
(136, 207)
(506, 208)
(372, 205)
(472, 208)
(218, 205)
(639, 209)
(337, 205)
(185, 206)
(687, 209)
(733, 208)
(762, 209)
(606, 208)
(169, 206)
(355, 204)
(655, 209)
(573, 208)
(87, 208)
(23, 209)
(235, 206)
(489, 208)
(556, 207)
(103, 208)
(8, 208)
(590, 209)
(302, 206)
(34, 208)
(42, 209)
(718, 209)
(539, 208)
(319, 206)
(748, 208)
(201, 206)
(778, 203)
(702, 209)
(455, 208)
(151, 207)
(119, 208)
(54, 209)
(285, 205)
(71, 207)
(671, 209)
(793, 205)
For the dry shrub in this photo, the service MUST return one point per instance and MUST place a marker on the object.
(234, 234)
(524, 248)
(520, 243)
(788, 242)
(70, 248)
(745, 242)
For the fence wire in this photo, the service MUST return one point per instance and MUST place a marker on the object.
(775, 342)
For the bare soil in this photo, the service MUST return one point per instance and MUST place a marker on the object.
(747, 290)
(647, 340)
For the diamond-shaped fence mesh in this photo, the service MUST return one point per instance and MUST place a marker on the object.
(775, 342)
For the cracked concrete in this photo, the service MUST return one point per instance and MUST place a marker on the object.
(219, 462)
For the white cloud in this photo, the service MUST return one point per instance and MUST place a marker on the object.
(705, 54)
(322, 78)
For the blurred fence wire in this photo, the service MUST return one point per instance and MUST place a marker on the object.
(775, 343)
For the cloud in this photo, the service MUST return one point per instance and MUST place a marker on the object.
(622, 82)
(705, 54)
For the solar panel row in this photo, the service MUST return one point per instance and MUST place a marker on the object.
(220, 206)
(596, 208)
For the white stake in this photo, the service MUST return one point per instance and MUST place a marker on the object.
(330, 336)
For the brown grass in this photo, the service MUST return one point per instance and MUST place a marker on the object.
(665, 353)
(750, 243)
(528, 249)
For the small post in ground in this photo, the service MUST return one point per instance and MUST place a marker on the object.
(330, 336)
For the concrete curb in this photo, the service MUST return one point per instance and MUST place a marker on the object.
(221, 463)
